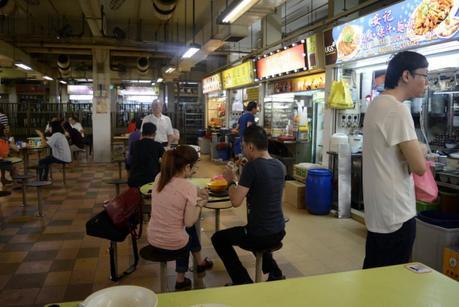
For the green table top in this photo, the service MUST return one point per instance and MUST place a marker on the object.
(393, 286)
(199, 182)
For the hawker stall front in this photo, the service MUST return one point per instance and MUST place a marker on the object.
(357, 53)
(239, 82)
(215, 112)
(294, 82)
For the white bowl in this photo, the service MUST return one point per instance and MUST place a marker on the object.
(450, 145)
(121, 296)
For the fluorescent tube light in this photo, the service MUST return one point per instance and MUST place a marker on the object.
(142, 81)
(23, 66)
(47, 78)
(170, 69)
(159, 80)
(62, 81)
(235, 10)
(192, 49)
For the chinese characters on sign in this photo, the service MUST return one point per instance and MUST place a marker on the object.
(411, 23)
(239, 75)
(212, 84)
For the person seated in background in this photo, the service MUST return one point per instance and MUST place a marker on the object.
(265, 220)
(174, 211)
(146, 153)
(133, 137)
(132, 126)
(74, 137)
(6, 144)
(75, 123)
(48, 126)
(60, 149)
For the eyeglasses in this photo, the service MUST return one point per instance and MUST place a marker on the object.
(425, 76)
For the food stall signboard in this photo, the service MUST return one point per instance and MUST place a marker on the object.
(408, 24)
(307, 83)
(285, 61)
(212, 84)
(239, 75)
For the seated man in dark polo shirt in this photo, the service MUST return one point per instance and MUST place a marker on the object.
(146, 153)
(262, 182)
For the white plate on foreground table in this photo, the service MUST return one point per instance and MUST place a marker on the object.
(121, 296)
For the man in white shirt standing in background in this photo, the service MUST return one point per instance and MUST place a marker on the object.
(164, 131)
(391, 152)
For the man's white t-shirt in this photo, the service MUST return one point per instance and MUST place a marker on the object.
(60, 147)
(163, 126)
(388, 188)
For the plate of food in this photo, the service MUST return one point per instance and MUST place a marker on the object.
(218, 184)
(434, 18)
(348, 44)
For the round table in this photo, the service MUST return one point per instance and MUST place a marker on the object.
(216, 203)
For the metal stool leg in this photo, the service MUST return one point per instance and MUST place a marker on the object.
(24, 201)
(163, 276)
(113, 261)
(40, 208)
(258, 262)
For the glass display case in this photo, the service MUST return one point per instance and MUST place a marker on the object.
(442, 116)
(216, 110)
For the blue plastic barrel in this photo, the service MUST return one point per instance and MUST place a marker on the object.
(319, 191)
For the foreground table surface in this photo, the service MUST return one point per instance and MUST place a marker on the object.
(393, 286)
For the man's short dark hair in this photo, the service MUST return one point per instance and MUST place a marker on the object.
(405, 60)
(256, 135)
(148, 129)
(251, 105)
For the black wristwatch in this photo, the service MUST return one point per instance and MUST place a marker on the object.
(231, 183)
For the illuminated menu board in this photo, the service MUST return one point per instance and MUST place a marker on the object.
(239, 75)
(408, 24)
(212, 84)
(284, 61)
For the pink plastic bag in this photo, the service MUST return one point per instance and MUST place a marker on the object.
(426, 188)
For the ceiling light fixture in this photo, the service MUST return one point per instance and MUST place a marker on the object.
(23, 66)
(170, 70)
(159, 80)
(235, 10)
(62, 82)
(48, 78)
(193, 47)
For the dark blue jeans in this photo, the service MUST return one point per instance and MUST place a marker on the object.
(43, 167)
(183, 260)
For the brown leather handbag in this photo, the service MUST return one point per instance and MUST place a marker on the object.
(125, 210)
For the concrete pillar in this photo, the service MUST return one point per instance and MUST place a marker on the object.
(54, 91)
(101, 105)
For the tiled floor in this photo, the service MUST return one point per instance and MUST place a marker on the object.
(50, 259)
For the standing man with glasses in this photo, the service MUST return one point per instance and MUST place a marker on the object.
(391, 152)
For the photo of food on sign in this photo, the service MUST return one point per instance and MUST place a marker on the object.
(349, 41)
(435, 17)
(407, 24)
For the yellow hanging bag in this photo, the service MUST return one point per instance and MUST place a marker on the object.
(340, 96)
